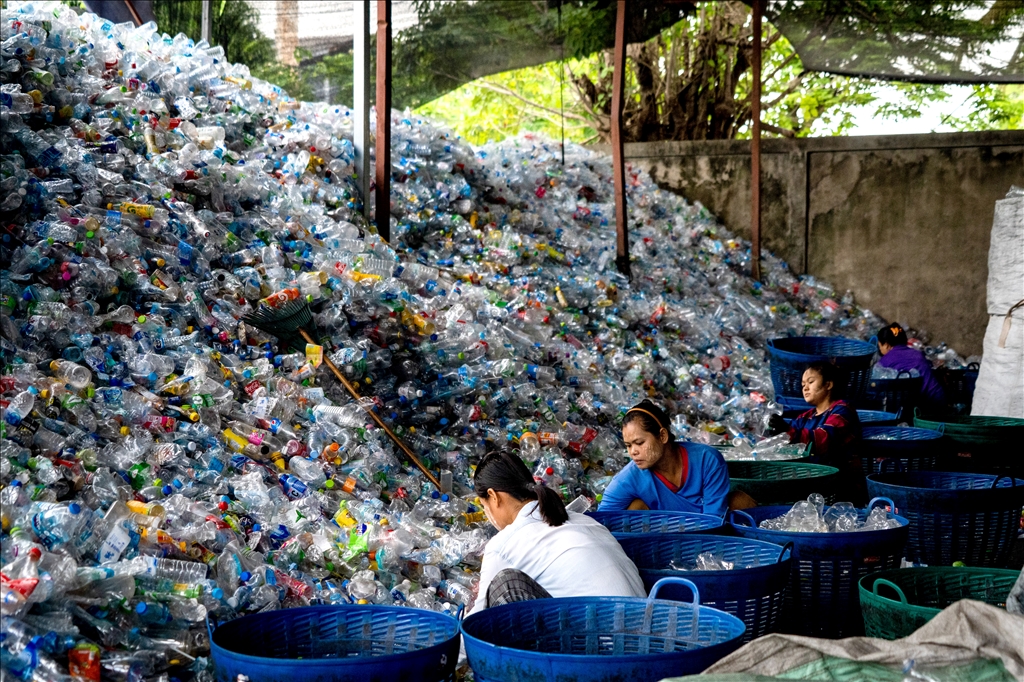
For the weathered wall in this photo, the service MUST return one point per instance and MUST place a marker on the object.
(903, 221)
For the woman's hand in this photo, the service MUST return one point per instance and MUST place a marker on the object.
(777, 425)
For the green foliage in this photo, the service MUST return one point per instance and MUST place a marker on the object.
(234, 27)
(805, 103)
(524, 100)
(942, 38)
(457, 42)
(795, 102)
(913, 99)
(992, 107)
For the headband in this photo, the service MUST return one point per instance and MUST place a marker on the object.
(640, 409)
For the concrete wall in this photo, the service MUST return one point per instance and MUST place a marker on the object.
(903, 221)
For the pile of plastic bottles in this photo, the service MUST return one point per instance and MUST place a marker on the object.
(879, 372)
(164, 461)
(775, 448)
(811, 516)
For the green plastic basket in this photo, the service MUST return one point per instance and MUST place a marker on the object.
(976, 430)
(896, 603)
(773, 483)
(981, 444)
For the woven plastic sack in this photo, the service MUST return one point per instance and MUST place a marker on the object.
(832, 669)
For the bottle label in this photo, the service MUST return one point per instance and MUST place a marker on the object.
(116, 542)
(314, 354)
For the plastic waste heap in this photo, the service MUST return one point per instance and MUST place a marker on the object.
(162, 460)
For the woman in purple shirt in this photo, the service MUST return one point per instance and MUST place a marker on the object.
(896, 354)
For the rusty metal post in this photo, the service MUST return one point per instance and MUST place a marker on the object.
(382, 212)
(755, 146)
(138, 20)
(618, 162)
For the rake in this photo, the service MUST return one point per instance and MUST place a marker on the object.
(293, 326)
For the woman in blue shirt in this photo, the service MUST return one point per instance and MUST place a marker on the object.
(666, 474)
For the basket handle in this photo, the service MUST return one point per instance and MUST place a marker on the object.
(973, 367)
(1013, 480)
(899, 374)
(675, 581)
(899, 468)
(211, 624)
(461, 613)
(741, 514)
(891, 585)
(899, 414)
(892, 505)
(788, 547)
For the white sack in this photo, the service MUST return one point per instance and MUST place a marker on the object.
(1006, 256)
(1000, 388)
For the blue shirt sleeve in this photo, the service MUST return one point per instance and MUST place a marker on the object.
(715, 477)
(621, 492)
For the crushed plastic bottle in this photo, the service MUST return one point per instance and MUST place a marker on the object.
(164, 460)
(704, 561)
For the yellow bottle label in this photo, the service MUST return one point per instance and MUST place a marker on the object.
(140, 210)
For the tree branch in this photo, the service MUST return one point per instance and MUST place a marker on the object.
(777, 130)
(494, 87)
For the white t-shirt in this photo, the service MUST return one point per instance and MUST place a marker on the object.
(580, 558)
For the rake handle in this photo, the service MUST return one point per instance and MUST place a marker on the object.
(373, 415)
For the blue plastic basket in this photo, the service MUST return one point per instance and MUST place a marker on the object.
(972, 518)
(790, 356)
(822, 600)
(598, 639)
(626, 523)
(337, 644)
(792, 408)
(898, 448)
(754, 590)
(892, 395)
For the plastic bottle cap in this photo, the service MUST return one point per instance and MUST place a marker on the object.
(245, 576)
(256, 527)
(35, 554)
(141, 608)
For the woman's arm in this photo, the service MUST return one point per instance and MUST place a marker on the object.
(620, 493)
(491, 565)
(716, 484)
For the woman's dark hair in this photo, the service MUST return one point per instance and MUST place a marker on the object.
(504, 472)
(829, 373)
(892, 335)
(651, 418)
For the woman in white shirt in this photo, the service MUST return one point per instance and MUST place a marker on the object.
(542, 550)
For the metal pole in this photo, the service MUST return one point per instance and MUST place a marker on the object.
(207, 28)
(131, 10)
(383, 175)
(618, 162)
(755, 147)
(361, 99)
